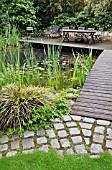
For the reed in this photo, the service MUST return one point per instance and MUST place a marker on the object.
(10, 38)
(54, 70)
(52, 75)
(82, 67)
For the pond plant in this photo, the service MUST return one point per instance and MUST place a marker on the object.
(9, 39)
(48, 73)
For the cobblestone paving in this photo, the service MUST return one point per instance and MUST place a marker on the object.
(73, 134)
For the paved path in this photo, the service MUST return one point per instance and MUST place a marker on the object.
(95, 99)
(71, 134)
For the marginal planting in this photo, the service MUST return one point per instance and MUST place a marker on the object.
(51, 72)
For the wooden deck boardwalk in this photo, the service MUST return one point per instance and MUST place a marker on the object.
(105, 45)
(95, 99)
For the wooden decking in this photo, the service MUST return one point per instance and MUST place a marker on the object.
(105, 45)
(95, 99)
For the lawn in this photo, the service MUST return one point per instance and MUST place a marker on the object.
(51, 161)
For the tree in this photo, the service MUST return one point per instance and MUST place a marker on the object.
(20, 13)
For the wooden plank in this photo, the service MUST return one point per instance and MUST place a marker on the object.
(99, 82)
(92, 110)
(92, 115)
(93, 106)
(100, 79)
(87, 84)
(97, 91)
(95, 99)
(97, 87)
(96, 94)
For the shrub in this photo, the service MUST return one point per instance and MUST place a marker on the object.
(64, 20)
(17, 104)
(104, 20)
(29, 108)
(20, 13)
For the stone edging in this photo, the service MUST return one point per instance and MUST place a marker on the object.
(72, 134)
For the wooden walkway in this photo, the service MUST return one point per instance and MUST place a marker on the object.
(95, 99)
(105, 45)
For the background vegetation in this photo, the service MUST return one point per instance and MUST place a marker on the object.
(44, 13)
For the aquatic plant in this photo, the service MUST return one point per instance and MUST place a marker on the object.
(51, 73)
(10, 38)
(82, 67)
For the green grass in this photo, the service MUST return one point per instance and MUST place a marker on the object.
(51, 161)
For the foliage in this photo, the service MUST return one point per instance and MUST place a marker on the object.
(100, 12)
(71, 93)
(20, 13)
(104, 20)
(12, 70)
(38, 12)
(91, 15)
(73, 7)
(83, 19)
(40, 118)
(44, 115)
(17, 104)
(55, 8)
(62, 106)
(45, 13)
(95, 7)
(63, 20)
(46, 10)
(52, 161)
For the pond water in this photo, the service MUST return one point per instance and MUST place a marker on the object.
(48, 67)
(40, 55)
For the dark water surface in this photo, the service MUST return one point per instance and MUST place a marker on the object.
(40, 54)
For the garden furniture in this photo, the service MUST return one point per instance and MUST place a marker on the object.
(53, 31)
(30, 32)
(88, 33)
(98, 35)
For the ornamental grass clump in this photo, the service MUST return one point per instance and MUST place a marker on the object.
(17, 104)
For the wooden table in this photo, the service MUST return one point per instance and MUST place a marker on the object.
(84, 34)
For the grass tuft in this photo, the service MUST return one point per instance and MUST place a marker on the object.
(17, 104)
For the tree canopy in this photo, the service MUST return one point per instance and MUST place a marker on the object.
(44, 13)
